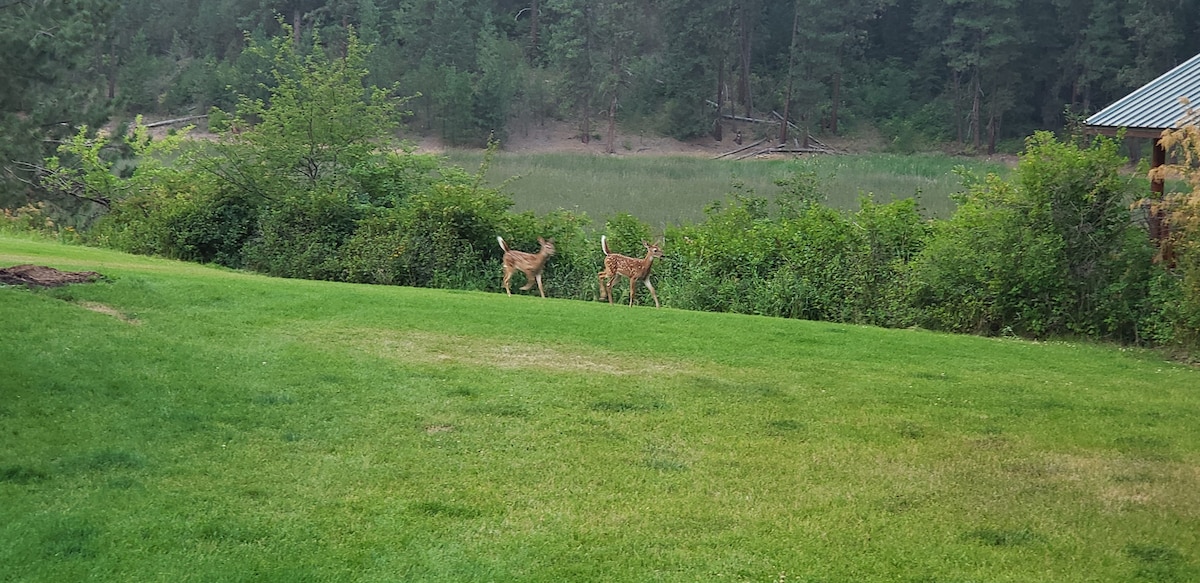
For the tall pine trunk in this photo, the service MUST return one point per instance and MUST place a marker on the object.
(612, 124)
(833, 113)
(787, 100)
(717, 135)
(975, 110)
(533, 31)
(744, 93)
(296, 28)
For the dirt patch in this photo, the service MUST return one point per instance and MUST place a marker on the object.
(432, 348)
(107, 310)
(41, 276)
(554, 136)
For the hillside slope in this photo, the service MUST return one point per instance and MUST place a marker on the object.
(177, 422)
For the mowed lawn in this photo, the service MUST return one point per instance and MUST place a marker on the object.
(177, 422)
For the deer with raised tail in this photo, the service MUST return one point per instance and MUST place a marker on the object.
(616, 264)
(532, 264)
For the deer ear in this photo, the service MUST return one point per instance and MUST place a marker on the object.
(541, 240)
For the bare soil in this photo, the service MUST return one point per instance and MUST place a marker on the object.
(41, 276)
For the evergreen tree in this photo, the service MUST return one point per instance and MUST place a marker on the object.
(52, 83)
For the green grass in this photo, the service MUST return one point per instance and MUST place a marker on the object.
(183, 423)
(672, 190)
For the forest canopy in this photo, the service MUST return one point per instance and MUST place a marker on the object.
(973, 72)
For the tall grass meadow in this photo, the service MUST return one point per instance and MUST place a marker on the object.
(673, 190)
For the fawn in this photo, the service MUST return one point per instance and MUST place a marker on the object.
(635, 269)
(530, 263)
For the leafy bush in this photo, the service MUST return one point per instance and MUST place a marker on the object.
(1180, 252)
(1045, 254)
(301, 236)
(813, 262)
(437, 238)
(986, 270)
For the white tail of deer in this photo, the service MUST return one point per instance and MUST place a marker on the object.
(532, 264)
(631, 267)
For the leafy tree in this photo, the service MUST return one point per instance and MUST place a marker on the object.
(499, 63)
(574, 48)
(1156, 30)
(1101, 53)
(318, 124)
(825, 38)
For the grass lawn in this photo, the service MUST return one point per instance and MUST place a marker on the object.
(183, 423)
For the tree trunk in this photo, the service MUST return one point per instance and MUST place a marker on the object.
(833, 113)
(993, 129)
(612, 124)
(296, 28)
(975, 113)
(533, 31)
(720, 100)
(957, 92)
(587, 125)
(787, 100)
(112, 72)
(744, 93)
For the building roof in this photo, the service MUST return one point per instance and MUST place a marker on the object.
(1154, 106)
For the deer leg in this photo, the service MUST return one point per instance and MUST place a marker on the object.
(652, 294)
(608, 285)
(539, 282)
(603, 283)
(508, 272)
(632, 286)
(529, 281)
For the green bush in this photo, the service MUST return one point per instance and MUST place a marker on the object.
(301, 235)
(813, 263)
(1048, 253)
(438, 238)
(986, 271)
(895, 233)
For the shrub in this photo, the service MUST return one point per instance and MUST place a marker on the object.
(894, 233)
(440, 238)
(1045, 254)
(813, 262)
(301, 235)
(1182, 249)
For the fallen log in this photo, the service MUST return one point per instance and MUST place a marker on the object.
(167, 122)
(743, 148)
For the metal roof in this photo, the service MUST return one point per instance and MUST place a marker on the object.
(1155, 105)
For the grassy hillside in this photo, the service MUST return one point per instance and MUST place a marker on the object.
(182, 423)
